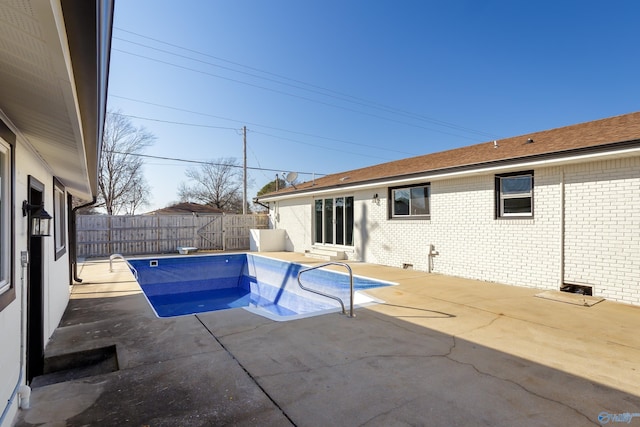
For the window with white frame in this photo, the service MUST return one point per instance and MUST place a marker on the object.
(5, 217)
(59, 226)
(514, 195)
(410, 202)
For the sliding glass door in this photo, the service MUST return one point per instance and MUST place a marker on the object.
(333, 221)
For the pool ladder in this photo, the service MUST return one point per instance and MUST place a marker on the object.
(116, 256)
(328, 295)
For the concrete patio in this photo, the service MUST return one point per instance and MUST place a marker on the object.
(441, 351)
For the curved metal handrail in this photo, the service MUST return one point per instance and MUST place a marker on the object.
(327, 295)
(114, 256)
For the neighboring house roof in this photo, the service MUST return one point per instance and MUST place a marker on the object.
(187, 209)
(54, 65)
(604, 135)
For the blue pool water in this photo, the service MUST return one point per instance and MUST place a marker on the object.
(182, 285)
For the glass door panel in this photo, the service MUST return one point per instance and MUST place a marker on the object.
(317, 235)
(328, 221)
(348, 219)
(339, 221)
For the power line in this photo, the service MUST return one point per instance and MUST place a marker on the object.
(317, 89)
(201, 162)
(173, 123)
(266, 127)
(292, 95)
(260, 133)
(319, 146)
(345, 98)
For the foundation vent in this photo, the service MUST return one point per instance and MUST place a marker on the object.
(577, 289)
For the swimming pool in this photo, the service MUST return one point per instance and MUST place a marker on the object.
(176, 286)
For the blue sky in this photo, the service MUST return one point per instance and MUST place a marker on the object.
(333, 85)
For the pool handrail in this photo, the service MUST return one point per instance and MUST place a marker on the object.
(114, 256)
(327, 295)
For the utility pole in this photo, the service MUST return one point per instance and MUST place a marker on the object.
(244, 171)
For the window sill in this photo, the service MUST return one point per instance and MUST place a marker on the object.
(411, 218)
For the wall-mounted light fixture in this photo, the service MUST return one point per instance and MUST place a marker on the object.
(375, 198)
(40, 219)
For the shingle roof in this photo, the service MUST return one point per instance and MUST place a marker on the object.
(557, 141)
(186, 209)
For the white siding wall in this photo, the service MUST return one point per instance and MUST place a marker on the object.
(57, 290)
(56, 278)
(55, 272)
(9, 356)
(602, 230)
(296, 218)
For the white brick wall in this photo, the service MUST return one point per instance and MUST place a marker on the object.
(470, 242)
(602, 230)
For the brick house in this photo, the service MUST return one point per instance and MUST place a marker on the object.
(547, 210)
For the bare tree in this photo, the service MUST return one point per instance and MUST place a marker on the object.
(138, 196)
(121, 183)
(217, 183)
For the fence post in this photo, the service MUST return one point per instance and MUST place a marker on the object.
(109, 236)
(195, 230)
(223, 231)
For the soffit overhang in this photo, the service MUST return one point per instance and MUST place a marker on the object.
(54, 59)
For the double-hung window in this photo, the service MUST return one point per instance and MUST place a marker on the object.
(59, 229)
(514, 195)
(410, 202)
(5, 223)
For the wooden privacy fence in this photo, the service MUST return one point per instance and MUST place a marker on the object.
(104, 235)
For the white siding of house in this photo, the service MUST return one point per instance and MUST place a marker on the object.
(56, 278)
(602, 230)
(296, 217)
(55, 272)
(10, 355)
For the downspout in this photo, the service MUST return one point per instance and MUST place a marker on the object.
(23, 391)
(73, 237)
(258, 202)
(562, 237)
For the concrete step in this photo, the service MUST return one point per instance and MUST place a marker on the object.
(326, 254)
(77, 365)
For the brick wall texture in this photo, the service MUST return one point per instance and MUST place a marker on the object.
(599, 238)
